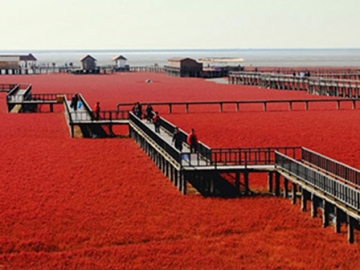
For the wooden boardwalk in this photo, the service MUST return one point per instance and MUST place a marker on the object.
(328, 184)
(313, 85)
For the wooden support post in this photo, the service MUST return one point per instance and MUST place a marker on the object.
(303, 200)
(51, 107)
(277, 184)
(286, 189)
(293, 191)
(246, 183)
(290, 106)
(325, 214)
(353, 104)
(350, 227)
(270, 181)
(211, 184)
(170, 108)
(183, 183)
(180, 180)
(313, 205)
(166, 168)
(338, 214)
(338, 104)
(170, 172)
(221, 107)
(158, 161)
(237, 182)
(177, 176)
(187, 107)
(237, 107)
(264, 106)
(163, 164)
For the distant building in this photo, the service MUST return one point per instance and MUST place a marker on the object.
(120, 61)
(88, 63)
(17, 61)
(183, 67)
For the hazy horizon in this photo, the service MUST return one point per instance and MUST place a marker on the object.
(173, 25)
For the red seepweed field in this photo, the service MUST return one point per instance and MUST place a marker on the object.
(94, 204)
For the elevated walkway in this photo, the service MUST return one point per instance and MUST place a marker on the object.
(327, 184)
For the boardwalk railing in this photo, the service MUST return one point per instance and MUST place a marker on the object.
(243, 156)
(313, 85)
(156, 69)
(13, 91)
(167, 148)
(334, 72)
(7, 87)
(104, 115)
(334, 87)
(324, 183)
(331, 167)
(59, 98)
(203, 149)
(239, 103)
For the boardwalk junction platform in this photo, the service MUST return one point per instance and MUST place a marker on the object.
(293, 172)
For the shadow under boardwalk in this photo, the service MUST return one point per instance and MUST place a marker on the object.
(213, 184)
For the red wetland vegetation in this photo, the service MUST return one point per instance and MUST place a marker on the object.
(102, 204)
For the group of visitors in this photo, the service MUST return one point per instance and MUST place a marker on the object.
(137, 109)
(192, 140)
(178, 137)
(76, 103)
(302, 74)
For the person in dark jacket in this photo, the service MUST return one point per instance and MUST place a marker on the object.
(149, 113)
(156, 121)
(177, 139)
(192, 141)
(74, 102)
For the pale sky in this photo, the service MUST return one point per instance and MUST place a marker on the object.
(181, 24)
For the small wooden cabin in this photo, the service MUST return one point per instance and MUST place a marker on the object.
(183, 67)
(88, 63)
(120, 61)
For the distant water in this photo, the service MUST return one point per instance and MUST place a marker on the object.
(254, 57)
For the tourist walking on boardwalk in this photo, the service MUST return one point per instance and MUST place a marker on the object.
(97, 111)
(74, 102)
(177, 139)
(149, 113)
(137, 109)
(192, 141)
(156, 121)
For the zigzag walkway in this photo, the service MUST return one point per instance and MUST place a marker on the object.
(327, 184)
